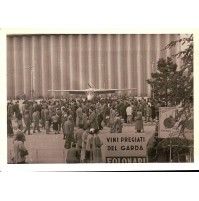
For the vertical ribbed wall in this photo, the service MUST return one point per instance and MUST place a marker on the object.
(73, 60)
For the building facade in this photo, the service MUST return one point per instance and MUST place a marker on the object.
(70, 61)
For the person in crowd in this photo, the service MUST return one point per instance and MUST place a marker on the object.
(68, 131)
(105, 113)
(153, 112)
(19, 120)
(117, 124)
(84, 119)
(31, 110)
(43, 117)
(97, 144)
(47, 122)
(10, 109)
(99, 119)
(79, 115)
(73, 155)
(157, 106)
(18, 147)
(78, 137)
(84, 140)
(148, 113)
(55, 120)
(111, 118)
(152, 148)
(129, 114)
(16, 109)
(63, 117)
(139, 122)
(27, 121)
(93, 119)
(59, 114)
(89, 146)
(9, 126)
(35, 119)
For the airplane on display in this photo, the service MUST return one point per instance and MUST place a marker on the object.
(92, 92)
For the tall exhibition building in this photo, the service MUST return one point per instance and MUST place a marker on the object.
(70, 61)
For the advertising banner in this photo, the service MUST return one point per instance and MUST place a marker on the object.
(167, 120)
(172, 120)
(125, 148)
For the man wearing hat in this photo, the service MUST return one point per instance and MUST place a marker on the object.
(68, 130)
(89, 146)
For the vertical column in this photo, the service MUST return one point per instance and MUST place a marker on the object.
(55, 52)
(148, 62)
(133, 56)
(80, 61)
(143, 65)
(129, 65)
(138, 65)
(36, 63)
(18, 73)
(42, 66)
(157, 46)
(10, 68)
(66, 61)
(84, 61)
(32, 74)
(114, 60)
(123, 61)
(118, 56)
(46, 65)
(90, 77)
(27, 63)
(61, 65)
(104, 51)
(109, 60)
(100, 64)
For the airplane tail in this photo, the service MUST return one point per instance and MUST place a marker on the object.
(89, 85)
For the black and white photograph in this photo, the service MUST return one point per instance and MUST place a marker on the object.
(82, 98)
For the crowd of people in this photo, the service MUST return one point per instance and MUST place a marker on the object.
(89, 117)
(111, 111)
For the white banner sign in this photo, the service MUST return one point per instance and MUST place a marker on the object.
(167, 120)
(125, 148)
(170, 125)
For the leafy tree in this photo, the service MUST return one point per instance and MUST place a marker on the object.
(186, 70)
(162, 83)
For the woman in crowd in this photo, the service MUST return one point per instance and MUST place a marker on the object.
(55, 118)
(84, 140)
(73, 155)
(97, 153)
(89, 146)
(139, 122)
(18, 147)
(27, 121)
(117, 124)
(9, 126)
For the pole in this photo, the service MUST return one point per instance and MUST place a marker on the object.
(31, 81)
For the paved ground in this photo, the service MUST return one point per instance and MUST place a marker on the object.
(49, 148)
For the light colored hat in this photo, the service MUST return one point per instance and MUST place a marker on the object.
(92, 131)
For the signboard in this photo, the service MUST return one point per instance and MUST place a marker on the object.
(125, 148)
(167, 120)
(170, 125)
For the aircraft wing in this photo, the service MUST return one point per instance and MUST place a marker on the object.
(70, 91)
(106, 91)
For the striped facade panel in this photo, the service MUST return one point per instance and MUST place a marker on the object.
(70, 61)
